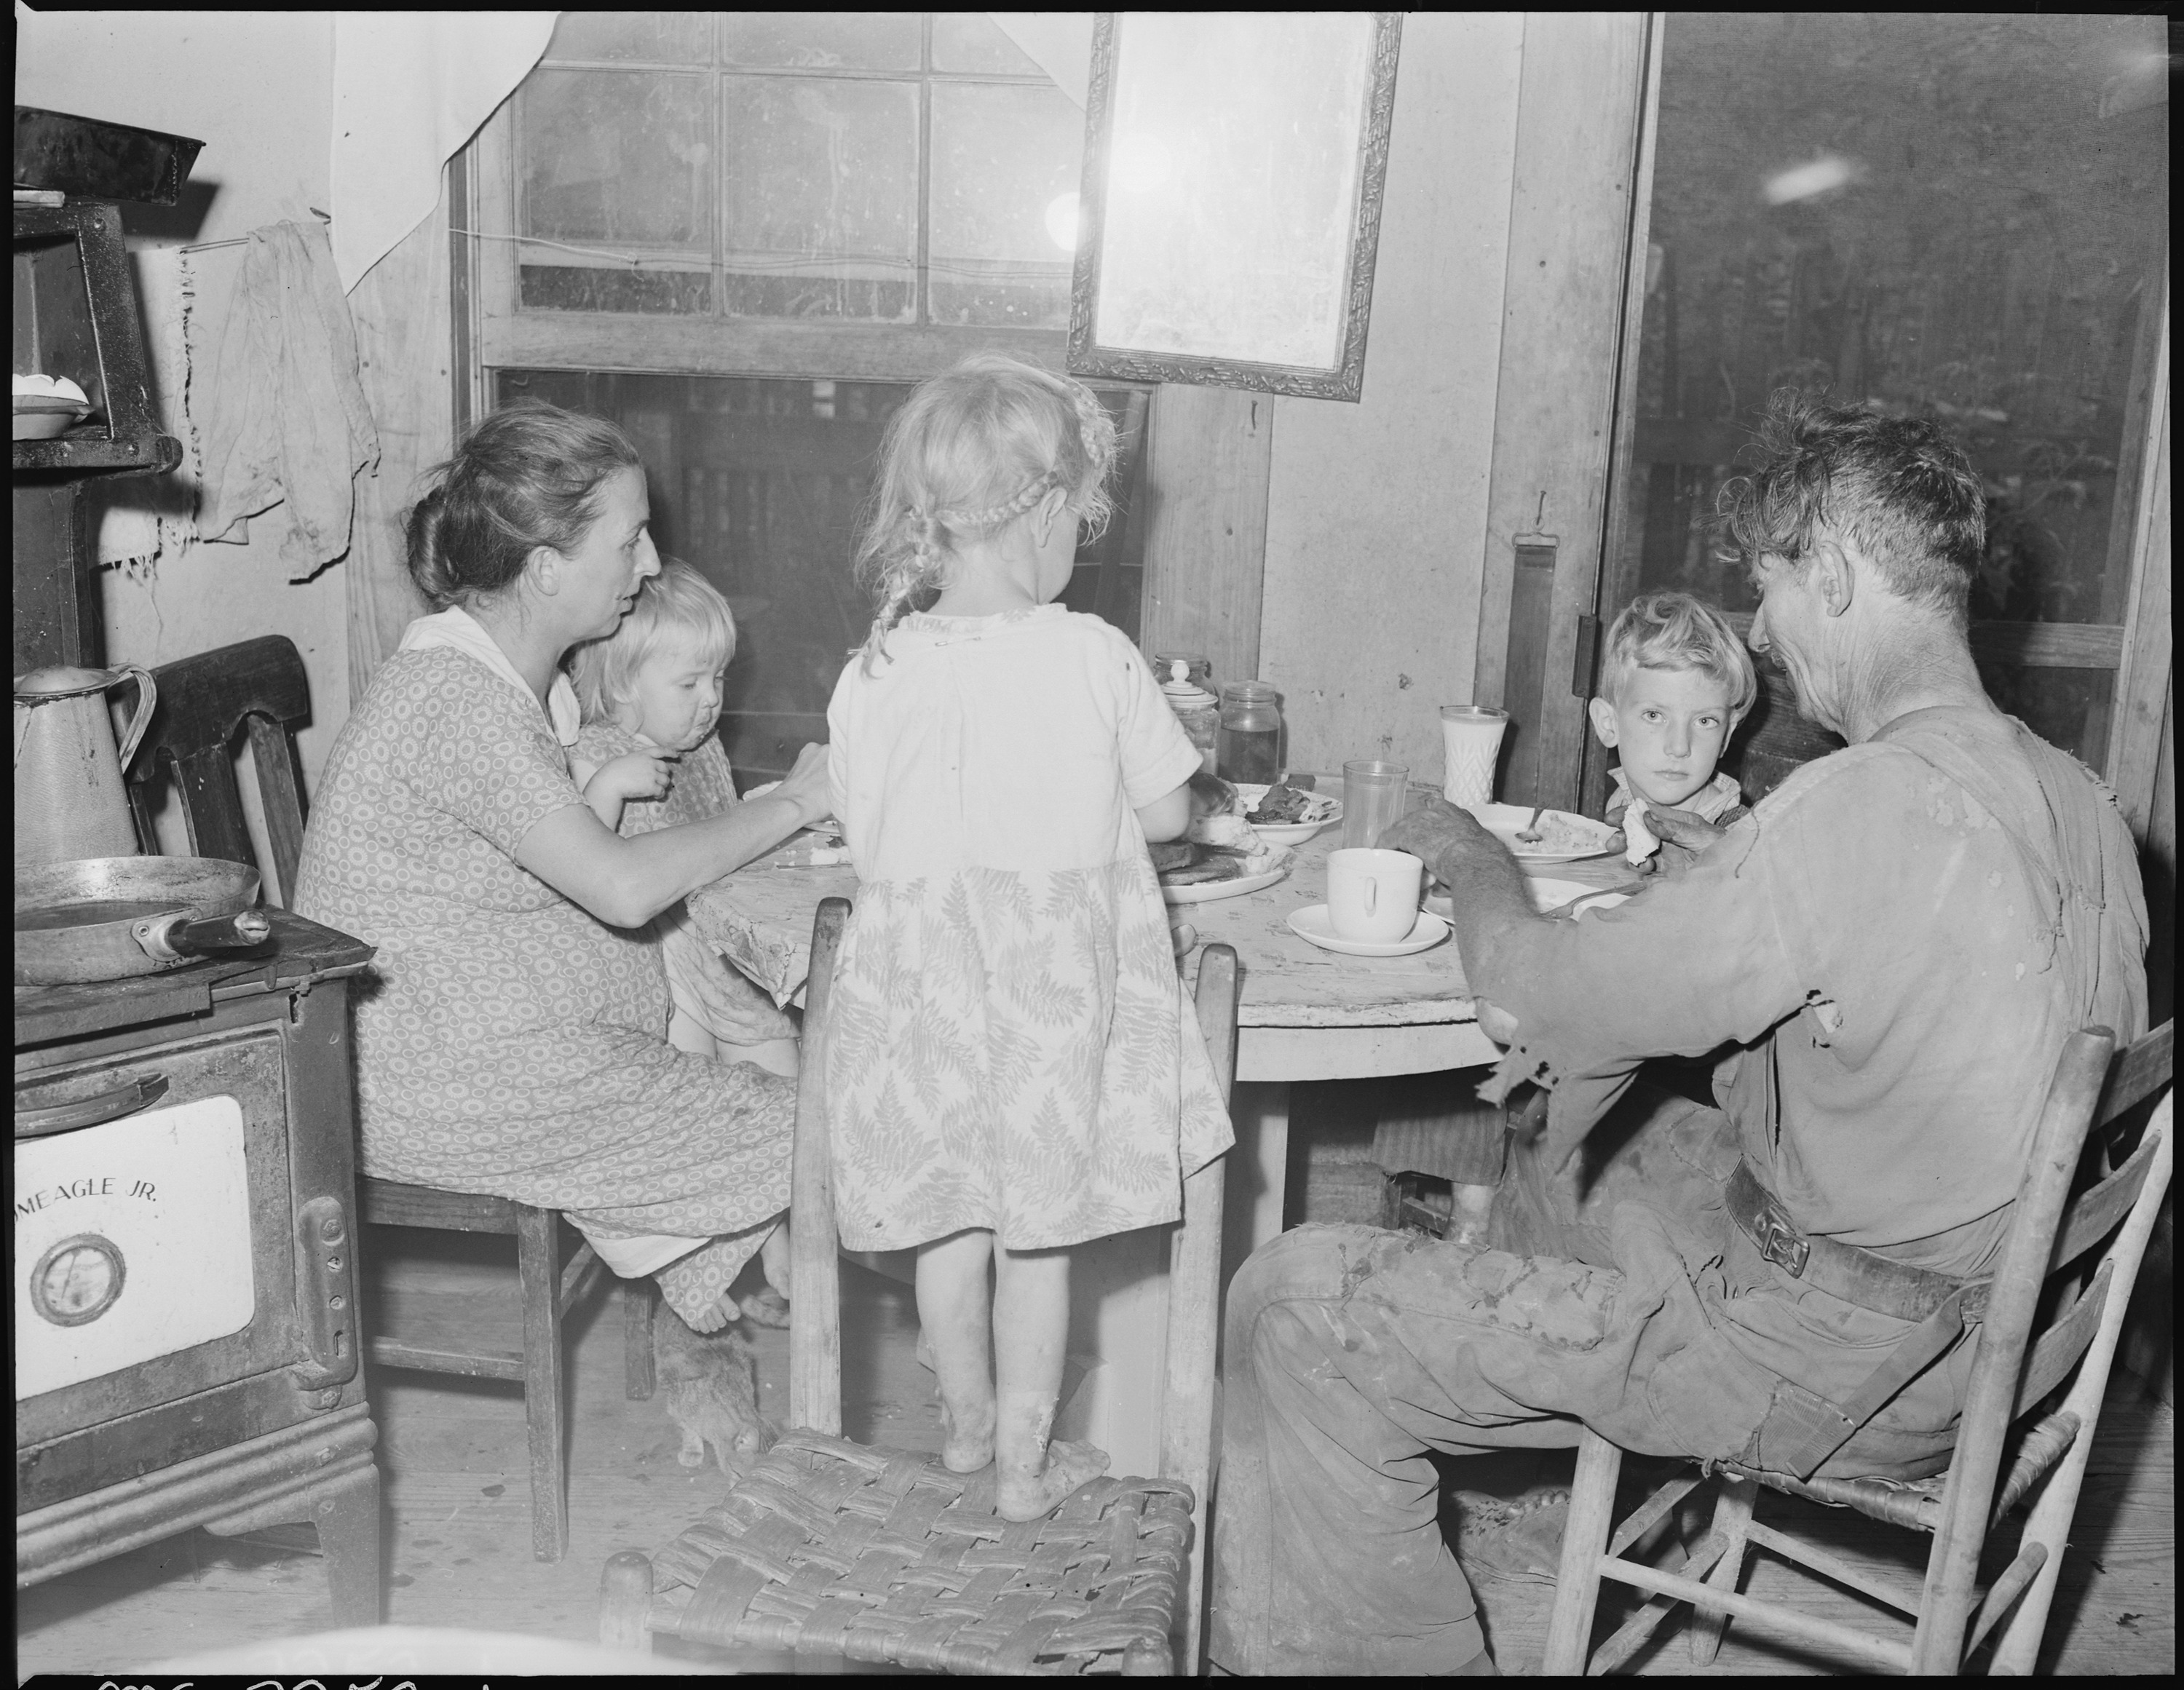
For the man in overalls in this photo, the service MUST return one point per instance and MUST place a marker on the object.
(1891, 947)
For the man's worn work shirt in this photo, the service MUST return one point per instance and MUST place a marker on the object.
(1900, 938)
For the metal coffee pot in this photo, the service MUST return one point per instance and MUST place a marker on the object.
(69, 798)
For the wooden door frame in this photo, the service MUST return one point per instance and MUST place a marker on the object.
(2135, 743)
(1580, 207)
(2138, 741)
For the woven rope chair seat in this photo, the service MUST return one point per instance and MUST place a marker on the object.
(884, 1555)
(1914, 1505)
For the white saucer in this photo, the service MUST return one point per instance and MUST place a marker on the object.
(1312, 926)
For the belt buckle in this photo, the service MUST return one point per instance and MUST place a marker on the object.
(1779, 1243)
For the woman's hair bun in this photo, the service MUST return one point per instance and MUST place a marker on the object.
(526, 476)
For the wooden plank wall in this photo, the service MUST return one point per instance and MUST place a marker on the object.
(1206, 524)
(1376, 508)
(403, 352)
(1569, 229)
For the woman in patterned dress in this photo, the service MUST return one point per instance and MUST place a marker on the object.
(514, 1040)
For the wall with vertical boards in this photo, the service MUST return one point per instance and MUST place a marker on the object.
(1375, 510)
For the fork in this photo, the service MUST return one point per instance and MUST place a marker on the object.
(1530, 834)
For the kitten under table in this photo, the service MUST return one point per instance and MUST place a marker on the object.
(710, 1387)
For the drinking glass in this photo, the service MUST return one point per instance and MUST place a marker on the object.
(1471, 741)
(1374, 795)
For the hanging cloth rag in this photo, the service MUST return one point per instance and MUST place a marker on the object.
(285, 421)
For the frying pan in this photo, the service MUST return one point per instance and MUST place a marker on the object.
(108, 918)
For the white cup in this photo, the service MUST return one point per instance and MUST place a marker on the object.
(1372, 896)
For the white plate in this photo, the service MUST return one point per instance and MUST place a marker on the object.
(1322, 810)
(1505, 821)
(1546, 895)
(1208, 890)
(1552, 895)
(1296, 832)
(1311, 924)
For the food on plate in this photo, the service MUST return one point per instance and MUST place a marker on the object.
(1210, 795)
(1204, 864)
(1559, 833)
(1172, 853)
(1218, 863)
(1287, 801)
(1231, 832)
(1219, 845)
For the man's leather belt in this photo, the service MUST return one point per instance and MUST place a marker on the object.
(1860, 1277)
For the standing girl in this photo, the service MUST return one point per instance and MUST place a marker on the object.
(1012, 1068)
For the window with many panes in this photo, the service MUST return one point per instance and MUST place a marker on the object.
(743, 236)
(879, 167)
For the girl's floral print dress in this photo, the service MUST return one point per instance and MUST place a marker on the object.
(1010, 1047)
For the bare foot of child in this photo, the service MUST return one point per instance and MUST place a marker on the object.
(1033, 1473)
(1025, 1494)
(720, 1315)
(969, 1426)
(969, 1444)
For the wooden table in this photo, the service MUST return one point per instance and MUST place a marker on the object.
(1307, 1014)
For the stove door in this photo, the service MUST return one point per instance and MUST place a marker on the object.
(132, 1240)
(154, 1258)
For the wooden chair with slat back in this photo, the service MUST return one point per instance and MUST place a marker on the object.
(885, 1556)
(2025, 1359)
(259, 686)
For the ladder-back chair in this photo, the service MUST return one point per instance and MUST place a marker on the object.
(884, 1556)
(259, 686)
(2022, 1360)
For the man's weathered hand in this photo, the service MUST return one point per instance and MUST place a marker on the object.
(1680, 827)
(1437, 832)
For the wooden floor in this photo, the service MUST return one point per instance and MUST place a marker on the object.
(459, 1539)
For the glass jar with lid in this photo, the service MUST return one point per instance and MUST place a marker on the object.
(1186, 681)
(1250, 743)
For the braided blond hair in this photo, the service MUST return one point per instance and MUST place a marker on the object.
(972, 452)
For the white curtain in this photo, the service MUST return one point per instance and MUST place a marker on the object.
(410, 89)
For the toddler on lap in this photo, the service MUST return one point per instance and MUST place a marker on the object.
(647, 757)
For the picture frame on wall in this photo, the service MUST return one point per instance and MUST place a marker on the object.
(1234, 168)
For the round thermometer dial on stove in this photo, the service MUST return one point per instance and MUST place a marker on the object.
(77, 1280)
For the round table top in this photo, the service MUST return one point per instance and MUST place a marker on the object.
(760, 918)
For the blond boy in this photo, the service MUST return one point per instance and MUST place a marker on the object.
(1675, 681)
